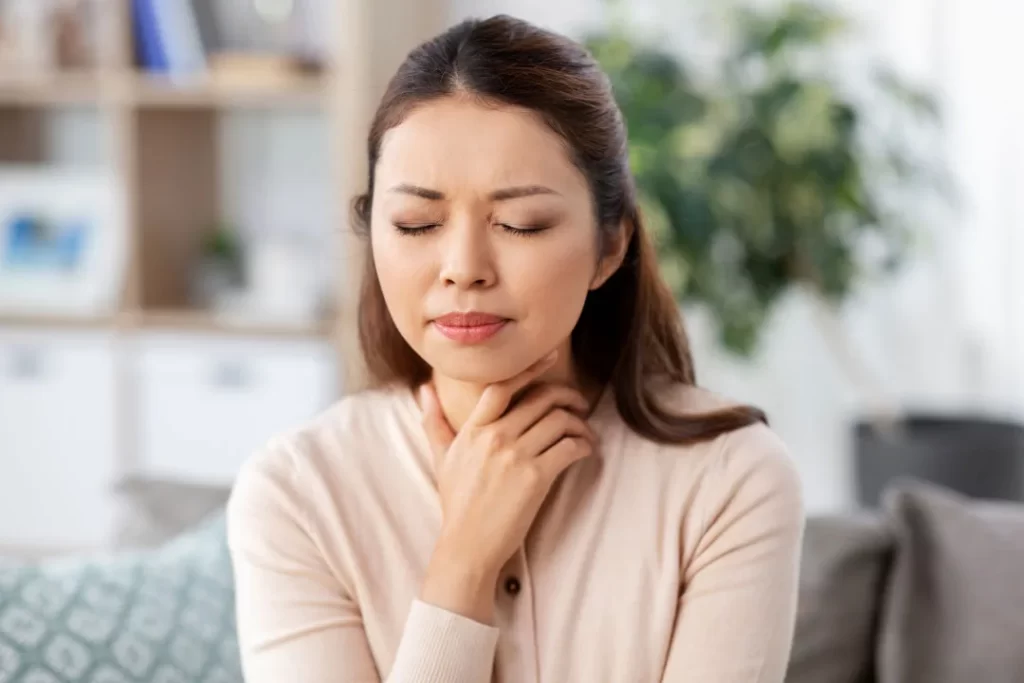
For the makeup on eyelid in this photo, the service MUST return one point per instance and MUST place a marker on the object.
(526, 224)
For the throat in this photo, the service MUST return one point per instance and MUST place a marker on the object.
(459, 398)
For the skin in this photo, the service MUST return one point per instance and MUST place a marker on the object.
(467, 151)
(507, 415)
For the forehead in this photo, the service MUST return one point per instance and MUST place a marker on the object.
(456, 141)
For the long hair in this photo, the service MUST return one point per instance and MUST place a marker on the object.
(630, 333)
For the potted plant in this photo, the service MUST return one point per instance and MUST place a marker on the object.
(219, 267)
(767, 177)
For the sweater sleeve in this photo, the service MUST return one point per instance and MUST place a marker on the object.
(297, 621)
(737, 607)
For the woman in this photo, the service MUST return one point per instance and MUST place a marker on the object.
(536, 490)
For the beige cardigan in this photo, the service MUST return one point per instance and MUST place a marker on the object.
(646, 563)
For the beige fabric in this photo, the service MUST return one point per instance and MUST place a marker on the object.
(955, 606)
(646, 563)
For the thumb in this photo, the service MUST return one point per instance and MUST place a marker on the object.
(439, 432)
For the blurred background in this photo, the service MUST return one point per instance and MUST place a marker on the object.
(836, 190)
(837, 194)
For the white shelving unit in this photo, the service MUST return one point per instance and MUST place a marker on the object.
(155, 386)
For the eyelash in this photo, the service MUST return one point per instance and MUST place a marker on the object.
(415, 230)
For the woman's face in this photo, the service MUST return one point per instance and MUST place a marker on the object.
(478, 210)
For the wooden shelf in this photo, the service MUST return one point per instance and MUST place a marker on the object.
(175, 320)
(62, 321)
(156, 92)
(178, 168)
(202, 321)
(50, 89)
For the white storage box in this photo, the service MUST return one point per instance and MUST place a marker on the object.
(206, 404)
(57, 438)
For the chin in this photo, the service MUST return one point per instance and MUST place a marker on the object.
(478, 366)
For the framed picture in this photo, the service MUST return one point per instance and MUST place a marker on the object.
(62, 242)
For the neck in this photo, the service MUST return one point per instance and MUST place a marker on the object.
(459, 398)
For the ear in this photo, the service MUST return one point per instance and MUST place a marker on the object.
(614, 253)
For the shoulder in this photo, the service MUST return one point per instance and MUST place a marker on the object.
(295, 467)
(688, 399)
(756, 442)
(751, 487)
(754, 464)
(746, 466)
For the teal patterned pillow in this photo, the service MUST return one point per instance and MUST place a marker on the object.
(160, 616)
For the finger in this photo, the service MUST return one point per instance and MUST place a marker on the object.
(538, 402)
(551, 429)
(556, 459)
(496, 397)
(439, 433)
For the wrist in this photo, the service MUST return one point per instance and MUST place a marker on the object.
(461, 585)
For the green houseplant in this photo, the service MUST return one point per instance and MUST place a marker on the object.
(757, 179)
(767, 175)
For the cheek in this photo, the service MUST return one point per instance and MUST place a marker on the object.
(554, 282)
(401, 271)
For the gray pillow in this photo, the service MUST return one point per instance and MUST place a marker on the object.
(843, 569)
(154, 510)
(954, 611)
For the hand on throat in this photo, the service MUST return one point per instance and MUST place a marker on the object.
(458, 397)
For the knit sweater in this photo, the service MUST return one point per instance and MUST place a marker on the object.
(646, 563)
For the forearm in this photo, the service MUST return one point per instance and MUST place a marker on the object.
(449, 635)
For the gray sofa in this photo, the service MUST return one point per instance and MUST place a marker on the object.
(928, 590)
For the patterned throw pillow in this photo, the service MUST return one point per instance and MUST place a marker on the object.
(160, 616)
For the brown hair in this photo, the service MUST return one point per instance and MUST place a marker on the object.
(630, 332)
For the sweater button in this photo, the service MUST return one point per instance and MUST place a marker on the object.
(512, 586)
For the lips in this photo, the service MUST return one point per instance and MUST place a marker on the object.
(470, 319)
(470, 327)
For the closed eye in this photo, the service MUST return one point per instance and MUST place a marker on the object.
(415, 228)
(523, 231)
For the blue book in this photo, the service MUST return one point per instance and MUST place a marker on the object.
(179, 35)
(151, 49)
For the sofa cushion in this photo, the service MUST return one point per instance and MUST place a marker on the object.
(953, 611)
(160, 616)
(843, 568)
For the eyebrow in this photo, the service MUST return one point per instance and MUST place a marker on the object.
(496, 196)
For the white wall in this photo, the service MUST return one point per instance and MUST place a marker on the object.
(945, 334)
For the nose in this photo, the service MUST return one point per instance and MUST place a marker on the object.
(468, 257)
